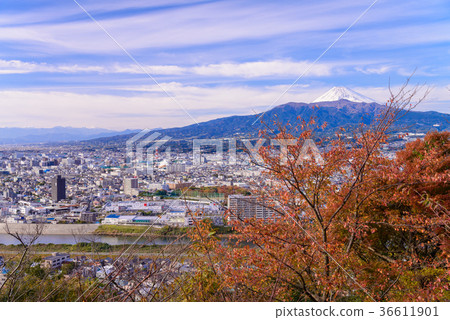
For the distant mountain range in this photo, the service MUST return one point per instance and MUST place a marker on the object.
(342, 113)
(339, 107)
(56, 134)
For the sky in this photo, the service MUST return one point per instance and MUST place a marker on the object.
(165, 63)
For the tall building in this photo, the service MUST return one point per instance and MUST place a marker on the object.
(131, 186)
(247, 207)
(9, 193)
(58, 188)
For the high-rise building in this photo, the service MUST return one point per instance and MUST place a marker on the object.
(131, 186)
(9, 193)
(247, 207)
(58, 188)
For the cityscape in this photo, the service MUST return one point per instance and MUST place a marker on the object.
(85, 192)
(67, 184)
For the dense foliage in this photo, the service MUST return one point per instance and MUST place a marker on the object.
(356, 227)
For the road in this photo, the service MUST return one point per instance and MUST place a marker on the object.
(104, 254)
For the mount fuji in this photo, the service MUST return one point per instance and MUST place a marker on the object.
(339, 93)
(340, 107)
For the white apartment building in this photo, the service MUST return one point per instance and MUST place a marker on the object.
(131, 186)
(248, 207)
(56, 260)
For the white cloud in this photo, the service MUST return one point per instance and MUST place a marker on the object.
(17, 66)
(242, 70)
(263, 69)
(437, 100)
(206, 23)
(157, 69)
(374, 69)
(148, 107)
(277, 30)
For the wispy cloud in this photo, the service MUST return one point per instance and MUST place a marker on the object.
(17, 66)
(147, 107)
(62, 28)
(374, 70)
(217, 57)
(220, 22)
(252, 69)
(262, 69)
(245, 70)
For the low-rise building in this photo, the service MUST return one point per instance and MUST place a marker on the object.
(88, 217)
(16, 219)
(56, 260)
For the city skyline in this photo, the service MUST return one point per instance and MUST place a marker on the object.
(213, 58)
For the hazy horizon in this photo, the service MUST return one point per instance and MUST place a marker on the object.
(60, 68)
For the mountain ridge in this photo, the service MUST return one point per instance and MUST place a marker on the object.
(30, 135)
(341, 113)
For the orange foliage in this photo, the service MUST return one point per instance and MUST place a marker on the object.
(358, 227)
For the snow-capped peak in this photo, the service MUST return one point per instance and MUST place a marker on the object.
(338, 93)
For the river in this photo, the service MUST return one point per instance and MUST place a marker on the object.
(74, 239)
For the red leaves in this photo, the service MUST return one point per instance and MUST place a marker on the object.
(361, 220)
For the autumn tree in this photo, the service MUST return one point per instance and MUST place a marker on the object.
(412, 230)
(354, 226)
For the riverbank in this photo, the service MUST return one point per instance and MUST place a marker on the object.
(116, 230)
(166, 231)
(101, 229)
(92, 248)
(50, 229)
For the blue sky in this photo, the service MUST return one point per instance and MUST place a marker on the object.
(212, 58)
